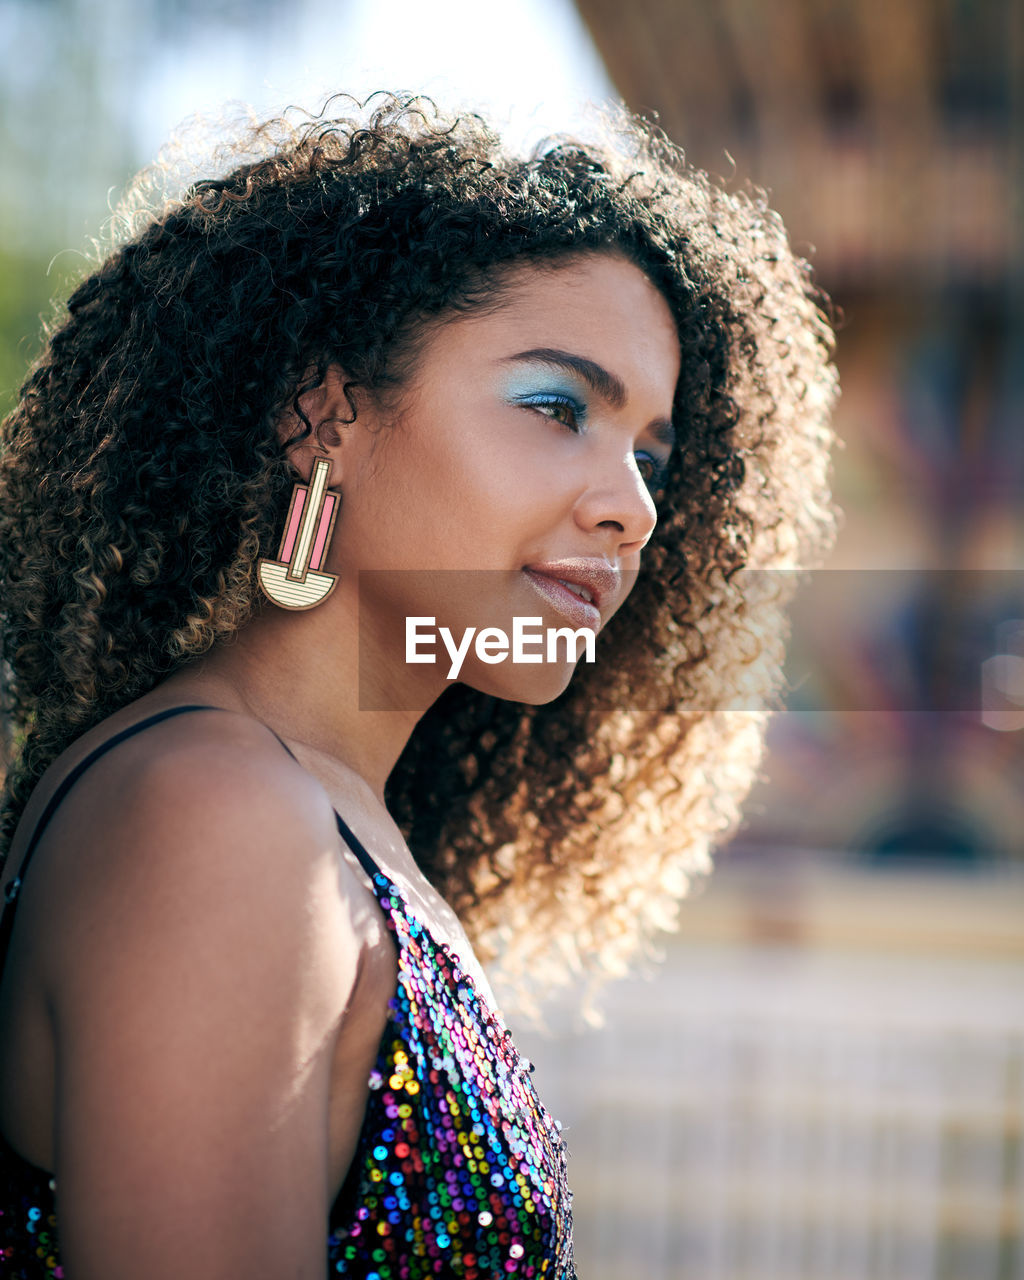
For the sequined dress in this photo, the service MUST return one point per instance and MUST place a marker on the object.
(458, 1172)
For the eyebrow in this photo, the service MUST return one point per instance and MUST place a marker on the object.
(606, 384)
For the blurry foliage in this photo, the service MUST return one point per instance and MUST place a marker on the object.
(26, 291)
(76, 85)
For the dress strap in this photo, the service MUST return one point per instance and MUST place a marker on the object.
(347, 834)
(13, 886)
(94, 755)
(357, 847)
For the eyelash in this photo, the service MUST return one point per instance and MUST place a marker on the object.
(659, 470)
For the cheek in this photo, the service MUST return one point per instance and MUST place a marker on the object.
(468, 470)
(464, 478)
(630, 571)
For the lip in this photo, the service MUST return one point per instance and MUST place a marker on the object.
(600, 578)
(579, 611)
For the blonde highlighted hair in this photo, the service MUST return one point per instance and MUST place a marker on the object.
(141, 477)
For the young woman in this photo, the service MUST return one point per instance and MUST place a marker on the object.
(383, 375)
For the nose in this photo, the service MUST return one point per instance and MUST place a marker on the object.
(618, 499)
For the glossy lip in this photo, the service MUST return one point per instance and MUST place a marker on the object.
(601, 579)
(579, 611)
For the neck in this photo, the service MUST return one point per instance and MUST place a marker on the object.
(302, 675)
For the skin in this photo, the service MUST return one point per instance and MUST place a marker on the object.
(158, 997)
(458, 437)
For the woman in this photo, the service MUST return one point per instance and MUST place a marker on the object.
(383, 375)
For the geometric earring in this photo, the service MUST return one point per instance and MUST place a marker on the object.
(294, 580)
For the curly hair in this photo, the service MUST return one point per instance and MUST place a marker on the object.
(142, 476)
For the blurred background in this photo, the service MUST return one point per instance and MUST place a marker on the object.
(823, 1078)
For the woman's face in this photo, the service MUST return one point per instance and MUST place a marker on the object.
(528, 436)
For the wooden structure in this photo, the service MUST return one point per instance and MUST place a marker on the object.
(888, 133)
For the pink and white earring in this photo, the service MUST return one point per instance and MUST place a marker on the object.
(294, 580)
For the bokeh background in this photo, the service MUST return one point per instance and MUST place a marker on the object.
(823, 1077)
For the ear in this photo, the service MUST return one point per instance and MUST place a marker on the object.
(330, 411)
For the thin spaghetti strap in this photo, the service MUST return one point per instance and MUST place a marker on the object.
(347, 834)
(82, 765)
(14, 886)
(357, 847)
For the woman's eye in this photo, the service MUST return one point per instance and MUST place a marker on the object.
(560, 409)
(652, 472)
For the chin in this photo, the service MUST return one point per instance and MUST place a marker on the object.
(532, 685)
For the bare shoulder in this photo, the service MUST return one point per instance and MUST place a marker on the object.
(202, 952)
(196, 829)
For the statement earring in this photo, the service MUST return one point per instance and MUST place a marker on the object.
(294, 580)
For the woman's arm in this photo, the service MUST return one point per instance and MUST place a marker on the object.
(207, 953)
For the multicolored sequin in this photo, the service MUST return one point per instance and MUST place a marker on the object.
(28, 1229)
(460, 1170)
